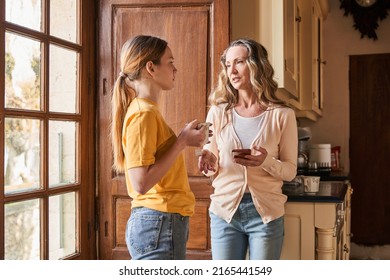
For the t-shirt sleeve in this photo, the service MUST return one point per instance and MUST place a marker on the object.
(140, 139)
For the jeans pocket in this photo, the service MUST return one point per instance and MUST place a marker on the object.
(144, 232)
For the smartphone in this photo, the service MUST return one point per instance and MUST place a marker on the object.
(241, 153)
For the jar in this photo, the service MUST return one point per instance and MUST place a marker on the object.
(321, 154)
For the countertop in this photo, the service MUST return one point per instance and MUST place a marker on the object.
(325, 176)
(330, 191)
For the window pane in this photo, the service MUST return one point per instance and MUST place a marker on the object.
(24, 12)
(22, 72)
(62, 225)
(22, 155)
(62, 153)
(63, 80)
(22, 230)
(64, 20)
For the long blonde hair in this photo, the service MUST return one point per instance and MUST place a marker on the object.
(261, 77)
(135, 53)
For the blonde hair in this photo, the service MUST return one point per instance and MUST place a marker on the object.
(135, 53)
(261, 77)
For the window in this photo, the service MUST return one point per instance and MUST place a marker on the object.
(42, 116)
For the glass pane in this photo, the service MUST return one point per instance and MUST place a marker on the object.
(24, 12)
(62, 225)
(63, 80)
(22, 155)
(64, 19)
(62, 153)
(22, 72)
(22, 230)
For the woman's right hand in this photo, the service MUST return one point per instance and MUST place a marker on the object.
(207, 162)
(191, 135)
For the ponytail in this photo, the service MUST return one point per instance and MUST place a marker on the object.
(122, 96)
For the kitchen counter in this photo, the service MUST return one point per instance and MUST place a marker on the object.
(325, 176)
(317, 226)
(330, 191)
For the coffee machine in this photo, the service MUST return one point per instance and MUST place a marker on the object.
(313, 159)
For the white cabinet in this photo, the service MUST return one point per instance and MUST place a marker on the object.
(299, 237)
(291, 31)
(317, 230)
(318, 62)
(312, 63)
(279, 33)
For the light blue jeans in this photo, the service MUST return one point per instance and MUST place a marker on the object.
(155, 235)
(246, 232)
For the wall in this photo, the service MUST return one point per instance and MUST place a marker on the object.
(340, 40)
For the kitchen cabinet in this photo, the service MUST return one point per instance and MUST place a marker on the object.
(312, 62)
(279, 33)
(291, 31)
(318, 226)
(318, 62)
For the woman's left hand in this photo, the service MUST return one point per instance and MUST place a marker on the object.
(256, 158)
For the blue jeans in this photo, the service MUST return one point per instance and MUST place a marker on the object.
(246, 231)
(155, 235)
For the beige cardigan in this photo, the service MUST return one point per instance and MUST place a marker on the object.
(279, 136)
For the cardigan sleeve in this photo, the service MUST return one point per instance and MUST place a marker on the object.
(285, 167)
(214, 117)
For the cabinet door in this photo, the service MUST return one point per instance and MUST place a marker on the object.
(291, 36)
(279, 33)
(299, 232)
(317, 59)
(311, 63)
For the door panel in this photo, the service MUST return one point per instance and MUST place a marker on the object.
(369, 148)
(197, 33)
(189, 50)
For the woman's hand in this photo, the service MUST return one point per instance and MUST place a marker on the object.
(193, 134)
(255, 158)
(207, 162)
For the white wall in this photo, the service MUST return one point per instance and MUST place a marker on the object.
(340, 40)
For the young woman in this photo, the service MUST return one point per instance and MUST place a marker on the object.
(253, 150)
(149, 153)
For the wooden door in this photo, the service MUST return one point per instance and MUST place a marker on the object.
(197, 32)
(370, 148)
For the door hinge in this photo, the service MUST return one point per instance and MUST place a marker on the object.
(104, 86)
(106, 228)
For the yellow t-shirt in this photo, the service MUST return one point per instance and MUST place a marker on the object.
(146, 137)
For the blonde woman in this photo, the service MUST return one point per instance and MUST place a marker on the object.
(149, 153)
(252, 151)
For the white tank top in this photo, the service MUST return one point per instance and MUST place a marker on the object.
(247, 128)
